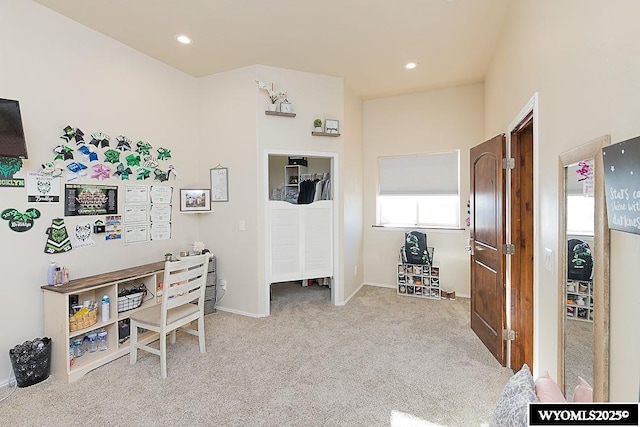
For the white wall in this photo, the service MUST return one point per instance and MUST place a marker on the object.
(240, 138)
(312, 96)
(583, 59)
(228, 130)
(429, 122)
(63, 73)
(353, 183)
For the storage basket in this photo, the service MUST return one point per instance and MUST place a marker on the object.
(129, 302)
(85, 320)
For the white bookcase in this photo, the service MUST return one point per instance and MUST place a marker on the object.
(420, 281)
(93, 288)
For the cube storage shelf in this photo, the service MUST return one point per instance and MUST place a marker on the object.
(416, 280)
(93, 288)
(579, 297)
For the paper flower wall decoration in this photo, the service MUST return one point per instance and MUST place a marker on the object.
(123, 172)
(143, 173)
(124, 143)
(93, 156)
(133, 160)
(100, 172)
(63, 152)
(584, 171)
(143, 148)
(112, 156)
(150, 162)
(77, 170)
(160, 175)
(100, 139)
(164, 153)
(73, 133)
(50, 168)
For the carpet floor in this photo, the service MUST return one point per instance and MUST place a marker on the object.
(380, 360)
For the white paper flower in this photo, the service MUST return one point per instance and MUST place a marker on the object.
(274, 95)
(198, 246)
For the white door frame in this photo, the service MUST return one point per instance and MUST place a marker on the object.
(336, 286)
(530, 108)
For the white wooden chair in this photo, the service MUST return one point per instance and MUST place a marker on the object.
(183, 284)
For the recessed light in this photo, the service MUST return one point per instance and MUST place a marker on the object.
(183, 39)
(411, 66)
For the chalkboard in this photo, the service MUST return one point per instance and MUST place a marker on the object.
(622, 185)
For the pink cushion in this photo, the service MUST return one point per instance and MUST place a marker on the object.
(547, 390)
(583, 392)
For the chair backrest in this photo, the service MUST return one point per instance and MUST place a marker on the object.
(184, 282)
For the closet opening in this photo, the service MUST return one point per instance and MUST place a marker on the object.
(300, 217)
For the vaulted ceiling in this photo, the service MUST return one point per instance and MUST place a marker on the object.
(367, 42)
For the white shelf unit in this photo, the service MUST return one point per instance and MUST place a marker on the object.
(93, 288)
(417, 280)
(292, 176)
(576, 291)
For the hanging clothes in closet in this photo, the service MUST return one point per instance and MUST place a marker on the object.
(314, 189)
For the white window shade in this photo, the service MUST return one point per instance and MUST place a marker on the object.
(419, 174)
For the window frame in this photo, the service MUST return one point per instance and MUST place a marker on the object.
(455, 223)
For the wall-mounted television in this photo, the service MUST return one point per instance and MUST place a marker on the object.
(12, 142)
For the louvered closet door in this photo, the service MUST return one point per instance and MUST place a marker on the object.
(317, 229)
(285, 242)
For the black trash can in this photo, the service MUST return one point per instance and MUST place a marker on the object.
(31, 361)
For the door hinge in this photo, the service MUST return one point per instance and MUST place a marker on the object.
(508, 163)
(509, 249)
(508, 334)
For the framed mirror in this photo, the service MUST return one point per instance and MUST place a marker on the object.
(583, 289)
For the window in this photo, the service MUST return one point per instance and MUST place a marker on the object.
(419, 190)
(580, 214)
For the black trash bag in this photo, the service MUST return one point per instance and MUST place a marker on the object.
(31, 361)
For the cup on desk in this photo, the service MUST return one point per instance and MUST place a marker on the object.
(184, 254)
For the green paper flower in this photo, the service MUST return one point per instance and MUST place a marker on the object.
(133, 160)
(164, 153)
(112, 156)
(143, 148)
(143, 174)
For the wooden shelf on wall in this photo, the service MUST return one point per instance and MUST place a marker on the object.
(278, 113)
(325, 134)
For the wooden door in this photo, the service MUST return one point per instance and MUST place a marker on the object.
(487, 228)
(521, 236)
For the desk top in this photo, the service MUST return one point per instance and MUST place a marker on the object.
(77, 285)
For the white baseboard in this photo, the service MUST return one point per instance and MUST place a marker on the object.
(242, 313)
(381, 285)
(351, 296)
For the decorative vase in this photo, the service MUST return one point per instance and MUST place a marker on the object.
(273, 107)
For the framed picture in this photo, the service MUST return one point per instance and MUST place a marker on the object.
(331, 126)
(219, 184)
(285, 107)
(195, 200)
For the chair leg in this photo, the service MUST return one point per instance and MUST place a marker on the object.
(172, 337)
(203, 348)
(163, 354)
(133, 337)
